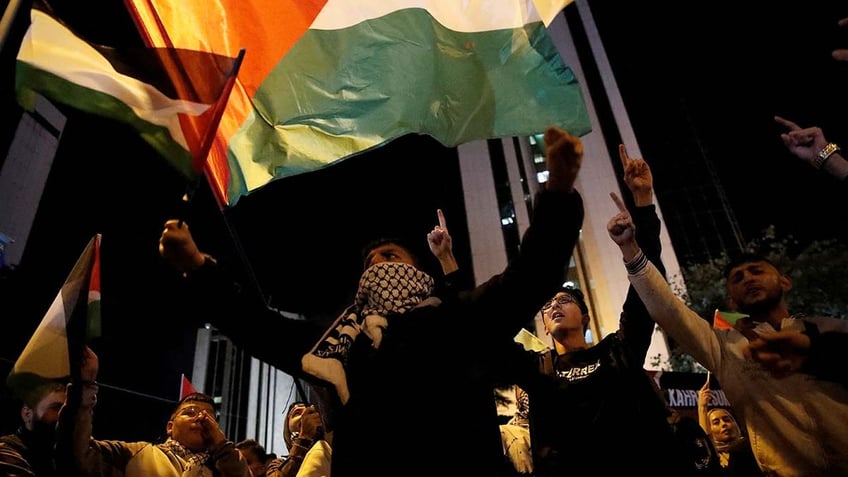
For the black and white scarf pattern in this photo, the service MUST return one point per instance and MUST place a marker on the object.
(193, 458)
(385, 289)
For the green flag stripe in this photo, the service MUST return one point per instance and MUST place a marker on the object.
(370, 87)
(30, 80)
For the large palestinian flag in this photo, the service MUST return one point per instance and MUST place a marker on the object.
(323, 80)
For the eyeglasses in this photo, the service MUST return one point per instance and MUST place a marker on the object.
(193, 411)
(562, 300)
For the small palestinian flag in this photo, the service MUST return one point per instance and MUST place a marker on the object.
(186, 387)
(73, 317)
(725, 320)
(173, 97)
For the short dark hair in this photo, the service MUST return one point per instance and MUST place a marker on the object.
(33, 396)
(745, 257)
(194, 397)
(399, 241)
(254, 446)
(577, 294)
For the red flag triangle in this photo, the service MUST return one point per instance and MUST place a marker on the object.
(725, 320)
(186, 387)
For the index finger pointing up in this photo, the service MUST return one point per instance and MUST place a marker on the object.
(442, 222)
(618, 202)
(622, 153)
(787, 123)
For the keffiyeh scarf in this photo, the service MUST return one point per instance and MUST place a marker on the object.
(385, 289)
(193, 458)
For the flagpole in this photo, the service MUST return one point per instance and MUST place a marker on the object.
(8, 18)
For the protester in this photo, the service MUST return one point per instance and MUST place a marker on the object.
(697, 446)
(29, 451)
(733, 448)
(310, 449)
(195, 447)
(796, 422)
(431, 339)
(255, 455)
(587, 399)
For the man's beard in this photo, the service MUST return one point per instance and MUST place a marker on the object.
(762, 306)
(43, 434)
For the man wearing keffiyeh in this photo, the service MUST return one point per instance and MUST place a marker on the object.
(195, 447)
(399, 344)
(391, 285)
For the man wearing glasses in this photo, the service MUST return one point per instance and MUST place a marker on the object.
(195, 446)
(587, 403)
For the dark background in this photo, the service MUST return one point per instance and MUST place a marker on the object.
(704, 73)
(706, 78)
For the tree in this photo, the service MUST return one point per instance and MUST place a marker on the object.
(818, 270)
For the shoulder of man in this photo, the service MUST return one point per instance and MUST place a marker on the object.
(12, 461)
(11, 441)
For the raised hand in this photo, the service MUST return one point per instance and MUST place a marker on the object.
(90, 365)
(311, 427)
(212, 433)
(637, 176)
(780, 353)
(621, 229)
(705, 394)
(563, 158)
(88, 374)
(441, 245)
(439, 239)
(176, 245)
(803, 143)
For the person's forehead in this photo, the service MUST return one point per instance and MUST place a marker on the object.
(753, 264)
(203, 405)
(386, 248)
(297, 410)
(51, 398)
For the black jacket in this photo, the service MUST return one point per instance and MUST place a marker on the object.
(597, 410)
(21, 454)
(429, 388)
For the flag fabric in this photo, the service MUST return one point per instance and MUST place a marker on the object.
(186, 387)
(172, 97)
(530, 342)
(725, 320)
(324, 80)
(73, 315)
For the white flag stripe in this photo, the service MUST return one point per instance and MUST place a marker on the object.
(458, 15)
(51, 47)
(548, 9)
(46, 353)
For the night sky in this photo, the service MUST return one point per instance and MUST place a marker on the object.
(726, 70)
